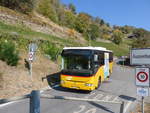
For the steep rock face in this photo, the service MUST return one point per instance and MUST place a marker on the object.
(39, 23)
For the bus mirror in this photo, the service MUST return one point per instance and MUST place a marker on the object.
(95, 58)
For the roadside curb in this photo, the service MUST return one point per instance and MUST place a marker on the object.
(11, 99)
(45, 89)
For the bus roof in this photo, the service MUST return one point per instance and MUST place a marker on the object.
(88, 48)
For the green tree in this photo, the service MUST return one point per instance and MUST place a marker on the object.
(82, 22)
(117, 36)
(127, 29)
(140, 43)
(93, 31)
(8, 53)
(72, 8)
(102, 22)
(46, 8)
(142, 38)
(24, 6)
(140, 33)
(52, 51)
(69, 19)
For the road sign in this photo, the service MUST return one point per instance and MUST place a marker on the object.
(140, 56)
(142, 91)
(142, 76)
(31, 56)
(32, 47)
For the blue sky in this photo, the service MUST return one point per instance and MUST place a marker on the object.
(117, 12)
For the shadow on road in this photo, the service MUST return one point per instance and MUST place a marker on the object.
(128, 98)
(54, 79)
(71, 90)
(101, 107)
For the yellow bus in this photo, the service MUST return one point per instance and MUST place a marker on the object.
(85, 68)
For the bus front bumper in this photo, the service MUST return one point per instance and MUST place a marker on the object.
(77, 85)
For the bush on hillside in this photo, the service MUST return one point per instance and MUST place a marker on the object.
(24, 6)
(8, 53)
(94, 31)
(46, 8)
(82, 22)
(72, 8)
(117, 37)
(69, 19)
(52, 51)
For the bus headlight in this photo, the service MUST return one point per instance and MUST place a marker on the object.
(62, 81)
(87, 84)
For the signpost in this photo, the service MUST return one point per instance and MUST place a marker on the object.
(142, 92)
(142, 80)
(142, 76)
(31, 56)
(32, 50)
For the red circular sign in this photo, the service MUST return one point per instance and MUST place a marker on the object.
(31, 55)
(142, 76)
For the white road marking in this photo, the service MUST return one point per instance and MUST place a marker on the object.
(127, 106)
(83, 110)
(116, 99)
(2, 105)
(89, 95)
(92, 110)
(6, 104)
(82, 107)
(99, 96)
(107, 97)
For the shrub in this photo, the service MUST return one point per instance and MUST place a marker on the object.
(52, 51)
(94, 31)
(8, 53)
(46, 8)
(117, 37)
(24, 6)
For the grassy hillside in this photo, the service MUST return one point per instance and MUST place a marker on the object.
(25, 33)
(119, 50)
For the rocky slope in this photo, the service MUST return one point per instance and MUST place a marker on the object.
(39, 23)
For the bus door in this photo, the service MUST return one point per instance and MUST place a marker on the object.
(106, 65)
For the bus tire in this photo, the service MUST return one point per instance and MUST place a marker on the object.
(99, 83)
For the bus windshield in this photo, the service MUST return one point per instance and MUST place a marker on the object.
(76, 62)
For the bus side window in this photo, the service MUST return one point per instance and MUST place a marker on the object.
(110, 57)
(96, 59)
(101, 58)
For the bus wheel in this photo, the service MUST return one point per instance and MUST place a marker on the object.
(99, 83)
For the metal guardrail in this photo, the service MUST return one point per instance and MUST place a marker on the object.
(35, 100)
(2, 101)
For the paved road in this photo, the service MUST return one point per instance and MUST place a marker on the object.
(120, 86)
